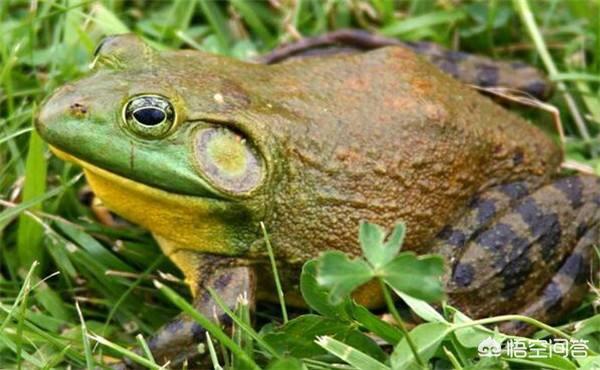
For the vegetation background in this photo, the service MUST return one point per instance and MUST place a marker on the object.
(108, 271)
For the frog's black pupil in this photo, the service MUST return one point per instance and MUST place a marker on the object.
(149, 116)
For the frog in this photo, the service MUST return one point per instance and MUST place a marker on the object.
(207, 152)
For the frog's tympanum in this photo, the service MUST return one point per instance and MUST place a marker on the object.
(200, 148)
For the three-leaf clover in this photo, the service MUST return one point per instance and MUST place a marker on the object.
(416, 276)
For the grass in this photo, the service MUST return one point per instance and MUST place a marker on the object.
(109, 271)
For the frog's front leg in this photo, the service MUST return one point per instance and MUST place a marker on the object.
(179, 340)
(523, 251)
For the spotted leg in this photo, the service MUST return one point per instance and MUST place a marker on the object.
(178, 341)
(523, 251)
(566, 289)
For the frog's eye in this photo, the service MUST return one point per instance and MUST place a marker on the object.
(227, 160)
(149, 116)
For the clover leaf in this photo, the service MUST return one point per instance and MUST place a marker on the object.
(416, 276)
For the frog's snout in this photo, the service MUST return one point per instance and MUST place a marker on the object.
(62, 104)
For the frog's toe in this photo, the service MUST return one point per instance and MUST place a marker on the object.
(178, 342)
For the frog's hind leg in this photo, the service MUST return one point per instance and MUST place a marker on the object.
(566, 289)
(521, 251)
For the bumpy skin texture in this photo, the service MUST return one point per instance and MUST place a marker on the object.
(390, 146)
(382, 136)
(468, 68)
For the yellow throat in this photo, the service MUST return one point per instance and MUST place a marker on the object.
(184, 220)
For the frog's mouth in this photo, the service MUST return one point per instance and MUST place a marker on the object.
(158, 210)
(95, 172)
(193, 221)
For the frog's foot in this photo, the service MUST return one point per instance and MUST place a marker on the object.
(469, 68)
(525, 252)
(181, 339)
(564, 292)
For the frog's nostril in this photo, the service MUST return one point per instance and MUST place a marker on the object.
(62, 102)
(78, 109)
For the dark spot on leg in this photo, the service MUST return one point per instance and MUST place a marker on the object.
(174, 326)
(572, 188)
(487, 75)
(198, 333)
(581, 230)
(536, 88)
(226, 320)
(520, 247)
(518, 250)
(451, 236)
(457, 239)
(514, 190)
(496, 238)
(448, 66)
(463, 275)
(552, 294)
(530, 212)
(545, 228)
(575, 267)
(552, 298)
(486, 209)
(222, 281)
(514, 274)
(203, 299)
(456, 56)
(550, 238)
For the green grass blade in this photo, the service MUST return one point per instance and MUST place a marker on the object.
(9, 214)
(127, 353)
(107, 21)
(350, 355)
(213, 354)
(527, 17)
(251, 17)
(217, 22)
(30, 234)
(89, 359)
(93, 247)
(144, 346)
(280, 295)
(408, 25)
(242, 325)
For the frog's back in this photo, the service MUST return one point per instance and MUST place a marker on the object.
(393, 138)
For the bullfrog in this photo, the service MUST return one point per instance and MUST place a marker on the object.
(202, 149)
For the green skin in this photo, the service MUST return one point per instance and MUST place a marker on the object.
(382, 136)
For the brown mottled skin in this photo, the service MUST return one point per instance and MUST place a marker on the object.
(332, 139)
(468, 68)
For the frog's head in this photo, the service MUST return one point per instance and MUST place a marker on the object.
(162, 143)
